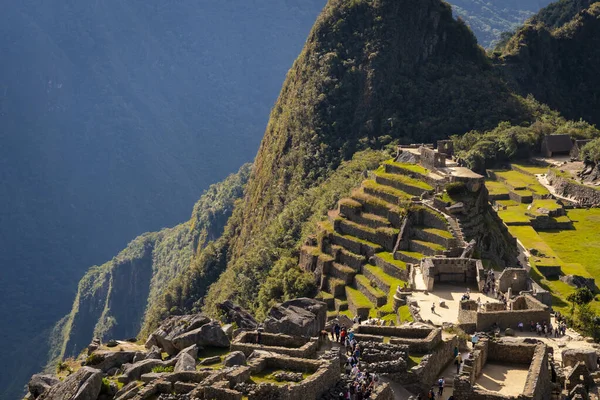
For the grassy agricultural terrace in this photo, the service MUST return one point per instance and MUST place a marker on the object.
(575, 249)
(365, 227)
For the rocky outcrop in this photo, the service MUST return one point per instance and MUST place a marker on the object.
(185, 363)
(133, 372)
(107, 360)
(235, 358)
(173, 327)
(209, 334)
(234, 313)
(40, 383)
(84, 384)
(298, 317)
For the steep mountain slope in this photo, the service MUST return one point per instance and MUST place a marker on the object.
(399, 69)
(371, 72)
(112, 298)
(561, 12)
(490, 19)
(559, 66)
(114, 116)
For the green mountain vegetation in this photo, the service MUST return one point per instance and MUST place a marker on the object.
(112, 298)
(508, 142)
(560, 13)
(529, 62)
(491, 21)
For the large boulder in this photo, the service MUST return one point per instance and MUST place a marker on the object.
(173, 327)
(234, 313)
(570, 358)
(84, 384)
(39, 383)
(107, 360)
(209, 334)
(133, 372)
(235, 358)
(185, 363)
(298, 317)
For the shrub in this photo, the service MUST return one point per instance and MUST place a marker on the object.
(161, 368)
(105, 388)
(94, 359)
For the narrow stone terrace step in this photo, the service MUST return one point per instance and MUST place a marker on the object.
(391, 266)
(385, 237)
(411, 257)
(342, 272)
(383, 280)
(411, 186)
(358, 303)
(392, 167)
(375, 295)
(341, 304)
(427, 248)
(335, 286)
(354, 261)
(355, 245)
(385, 193)
(434, 235)
(370, 220)
(375, 205)
(326, 298)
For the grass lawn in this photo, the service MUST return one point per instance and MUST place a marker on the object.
(518, 180)
(404, 314)
(580, 246)
(514, 216)
(532, 240)
(389, 257)
(496, 188)
(409, 167)
(357, 298)
(548, 204)
(439, 232)
(532, 169)
(404, 179)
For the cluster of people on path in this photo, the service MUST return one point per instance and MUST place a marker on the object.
(547, 329)
(490, 282)
(362, 382)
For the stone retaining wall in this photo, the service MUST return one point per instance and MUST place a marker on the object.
(531, 310)
(568, 188)
(391, 269)
(417, 340)
(434, 363)
(293, 346)
(325, 374)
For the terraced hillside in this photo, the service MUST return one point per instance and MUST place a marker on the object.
(364, 249)
(558, 241)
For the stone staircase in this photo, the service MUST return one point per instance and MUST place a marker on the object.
(358, 269)
(429, 235)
